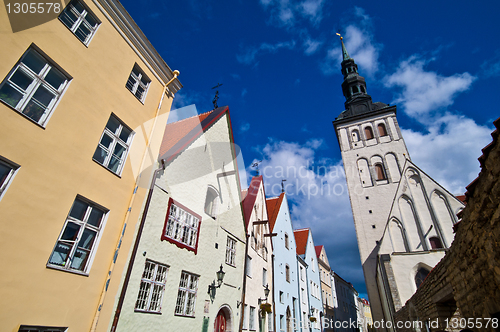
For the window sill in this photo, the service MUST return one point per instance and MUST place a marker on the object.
(230, 265)
(179, 315)
(24, 116)
(55, 267)
(98, 163)
(147, 312)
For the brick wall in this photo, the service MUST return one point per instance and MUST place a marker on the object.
(466, 283)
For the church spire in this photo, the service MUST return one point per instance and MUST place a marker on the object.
(345, 55)
(358, 101)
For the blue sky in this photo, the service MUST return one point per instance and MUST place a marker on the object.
(279, 63)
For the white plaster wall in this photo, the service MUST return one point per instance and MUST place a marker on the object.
(186, 179)
(313, 275)
(304, 300)
(404, 267)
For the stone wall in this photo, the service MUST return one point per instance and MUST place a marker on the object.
(465, 286)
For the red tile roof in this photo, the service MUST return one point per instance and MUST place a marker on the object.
(301, 236)
(250, 198)
(318, 250)
(178, 135)
(273, 208)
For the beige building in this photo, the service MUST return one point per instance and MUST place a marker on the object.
(326, 288)
(259, 264)
(84, 100)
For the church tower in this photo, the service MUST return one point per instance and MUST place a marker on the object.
(378, 170)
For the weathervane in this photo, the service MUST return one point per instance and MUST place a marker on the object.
(338, 34)
(216, 95)
(282, 186)
(256, 165)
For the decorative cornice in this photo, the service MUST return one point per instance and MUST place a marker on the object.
(133, 35)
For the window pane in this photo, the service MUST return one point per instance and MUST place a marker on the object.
(113, 124)
(139, 92)
(43, 96)
(124, 135)
(4, 172)
(70, 232)
(10, 95)
(106, 140)
(21, 79)
(100, 155)
(82, 32)
(79, 259)
(34, 61)
(55, 78)
(60, 254)
(78, 210)
(119, 150)
(68, 17)
(114, 164)
(78, 6)
(34, 110)
(95, 217)
(87, 239)
(90, 20)
(130, 83)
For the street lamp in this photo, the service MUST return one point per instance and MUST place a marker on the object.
(266, 293)
(220, 278)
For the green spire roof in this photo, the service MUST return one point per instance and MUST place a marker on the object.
(345, 55)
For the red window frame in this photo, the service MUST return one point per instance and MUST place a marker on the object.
(179, 244)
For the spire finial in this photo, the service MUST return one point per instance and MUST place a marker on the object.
(345, 55)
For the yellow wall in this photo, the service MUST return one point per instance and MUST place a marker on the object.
(56, 166)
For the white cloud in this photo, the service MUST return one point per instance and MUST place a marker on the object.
(317, 194)
(249, 55)
(360, 46)
(311, 46)
(425, 92)
(244, 127)
(448, 152)
(244, 92)
(491, 67)
(285, 13)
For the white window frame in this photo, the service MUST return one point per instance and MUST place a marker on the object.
(81, 20)
(251, 325)
(138, 80)
(270, 321)
(152, 287)
(182, 226)
(212, 206)
(115, 140)
(248, 271)
(37, 81)
(75, 242)
(231, 251)
(264, 277)
(5, 183)
(245, 317)
(186, 296)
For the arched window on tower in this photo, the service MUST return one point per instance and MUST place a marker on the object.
(355, 89)
(422, 273)
(368, 132)
(435, 242)
(362, 89)
(381, 129)
(379, 170)
(211, 202)
(355, 135)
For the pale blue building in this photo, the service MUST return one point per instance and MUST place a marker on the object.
(286, 293)
(307, 251)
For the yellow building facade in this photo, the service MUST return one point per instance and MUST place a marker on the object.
(84, 100)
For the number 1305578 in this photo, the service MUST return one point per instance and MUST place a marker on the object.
(33, 8)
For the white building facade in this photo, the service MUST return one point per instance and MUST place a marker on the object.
(403, 218)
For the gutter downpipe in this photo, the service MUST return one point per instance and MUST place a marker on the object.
(176, 73)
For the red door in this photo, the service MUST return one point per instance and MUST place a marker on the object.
(220, 322)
